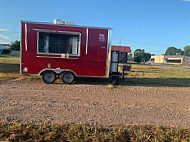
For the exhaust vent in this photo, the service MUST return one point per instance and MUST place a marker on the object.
(60, 22)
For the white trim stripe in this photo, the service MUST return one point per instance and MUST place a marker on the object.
(86, 41)
(26, 37)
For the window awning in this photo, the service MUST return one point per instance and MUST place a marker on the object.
(126, 49)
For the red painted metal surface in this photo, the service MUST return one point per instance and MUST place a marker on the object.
(126, 49)
(91, 63)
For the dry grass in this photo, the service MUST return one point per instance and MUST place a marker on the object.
(6, 59)
(9, 69)
(148, 71)
(139, 74)
(110, 86)
(94, 133)
(156, 75)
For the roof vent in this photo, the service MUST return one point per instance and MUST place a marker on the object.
(60, 22)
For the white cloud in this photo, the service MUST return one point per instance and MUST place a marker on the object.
(185, 0)
(4, 30)
(4, 41)
(5, 37)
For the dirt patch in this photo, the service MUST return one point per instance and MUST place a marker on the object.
(34, 101)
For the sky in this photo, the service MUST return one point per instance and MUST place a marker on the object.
(153, 25)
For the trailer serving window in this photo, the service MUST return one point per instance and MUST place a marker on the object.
(59, 43)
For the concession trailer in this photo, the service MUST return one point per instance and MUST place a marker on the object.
(66, 50)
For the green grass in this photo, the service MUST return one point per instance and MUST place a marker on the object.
(156, 75)
(90, 133)
(139, 74)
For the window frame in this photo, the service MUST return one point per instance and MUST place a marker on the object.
(58, 32)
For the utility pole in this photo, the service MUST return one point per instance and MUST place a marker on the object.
(119, 42)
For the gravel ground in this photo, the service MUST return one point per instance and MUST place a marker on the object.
(34, 101)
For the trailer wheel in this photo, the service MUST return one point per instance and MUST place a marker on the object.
(48, 77)
(67, 77)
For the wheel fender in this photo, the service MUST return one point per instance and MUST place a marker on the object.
(58, 71)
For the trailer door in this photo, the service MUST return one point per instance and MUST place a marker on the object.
(97, 50)
(102, 53)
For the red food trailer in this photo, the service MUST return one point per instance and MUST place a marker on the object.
(65, 50)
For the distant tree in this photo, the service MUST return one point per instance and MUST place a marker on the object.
(147, 56)
(173, 51)
(187, 50)
(140, 55)
(180, 52)
(15, 45)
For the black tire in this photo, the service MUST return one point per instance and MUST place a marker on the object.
(67, 77)
(49, 77)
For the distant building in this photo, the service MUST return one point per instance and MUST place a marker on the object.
(3, 46)
(158, 59)
(170, 59)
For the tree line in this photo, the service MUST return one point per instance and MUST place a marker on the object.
(139, 54)
(175, 51)
(15, 46)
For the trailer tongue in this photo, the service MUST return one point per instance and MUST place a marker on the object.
(66, 51)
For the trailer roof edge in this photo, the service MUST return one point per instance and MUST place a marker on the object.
(25, 21)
